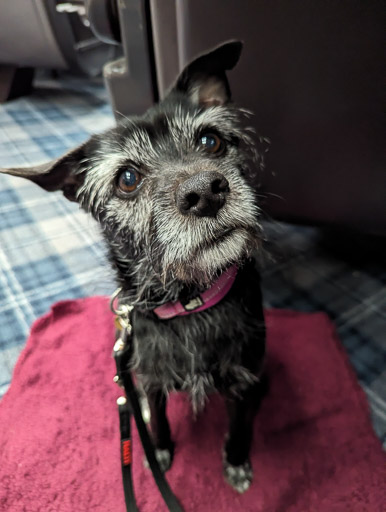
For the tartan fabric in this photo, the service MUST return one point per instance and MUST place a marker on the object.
(50, 250)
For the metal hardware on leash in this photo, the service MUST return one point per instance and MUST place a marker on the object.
(122, 313)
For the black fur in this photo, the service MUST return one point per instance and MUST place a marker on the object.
(161, 255)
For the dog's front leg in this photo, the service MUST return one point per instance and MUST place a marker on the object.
(164, 446)
(241, 412)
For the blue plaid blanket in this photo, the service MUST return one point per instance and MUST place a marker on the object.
(50, 250)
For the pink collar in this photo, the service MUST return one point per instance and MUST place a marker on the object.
(205, 300)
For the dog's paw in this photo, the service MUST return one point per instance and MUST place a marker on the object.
(238, 477)
(164, 458)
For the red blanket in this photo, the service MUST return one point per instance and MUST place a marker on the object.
(314, 448)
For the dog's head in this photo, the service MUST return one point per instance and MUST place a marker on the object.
(169, 188)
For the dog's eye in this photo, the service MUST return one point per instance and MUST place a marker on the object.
(129, 180)
(211, 143)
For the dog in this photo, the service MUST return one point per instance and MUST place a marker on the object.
(172, 193)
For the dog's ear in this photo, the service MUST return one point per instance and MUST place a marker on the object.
(204, 79)
(64, 173)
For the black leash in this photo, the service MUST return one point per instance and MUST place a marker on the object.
(128, 406)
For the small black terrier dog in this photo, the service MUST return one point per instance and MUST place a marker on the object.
(171, 191)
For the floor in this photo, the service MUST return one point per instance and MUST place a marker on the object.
(50, 250)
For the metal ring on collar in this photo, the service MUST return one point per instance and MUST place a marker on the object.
(124, 309)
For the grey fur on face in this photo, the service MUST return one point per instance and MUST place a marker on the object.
(147, 230)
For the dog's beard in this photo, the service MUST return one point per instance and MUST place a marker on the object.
(232, 247)
(200, 262)
(156, 275)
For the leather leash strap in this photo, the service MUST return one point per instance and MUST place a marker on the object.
(128, 406)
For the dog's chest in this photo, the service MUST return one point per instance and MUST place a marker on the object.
(198, 353)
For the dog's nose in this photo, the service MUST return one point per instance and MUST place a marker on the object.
(203, 194)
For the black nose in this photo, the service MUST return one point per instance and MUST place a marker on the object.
(203, 194)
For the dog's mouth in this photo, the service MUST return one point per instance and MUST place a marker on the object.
(229, 235)
(219, 239)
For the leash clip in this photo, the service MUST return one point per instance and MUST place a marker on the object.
(122, 313)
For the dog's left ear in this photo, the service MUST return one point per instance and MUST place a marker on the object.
(63, 173)
(204, 79)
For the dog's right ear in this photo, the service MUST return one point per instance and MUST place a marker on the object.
(204, 79)
(64, 173)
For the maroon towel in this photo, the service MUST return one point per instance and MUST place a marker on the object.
(314, 448)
